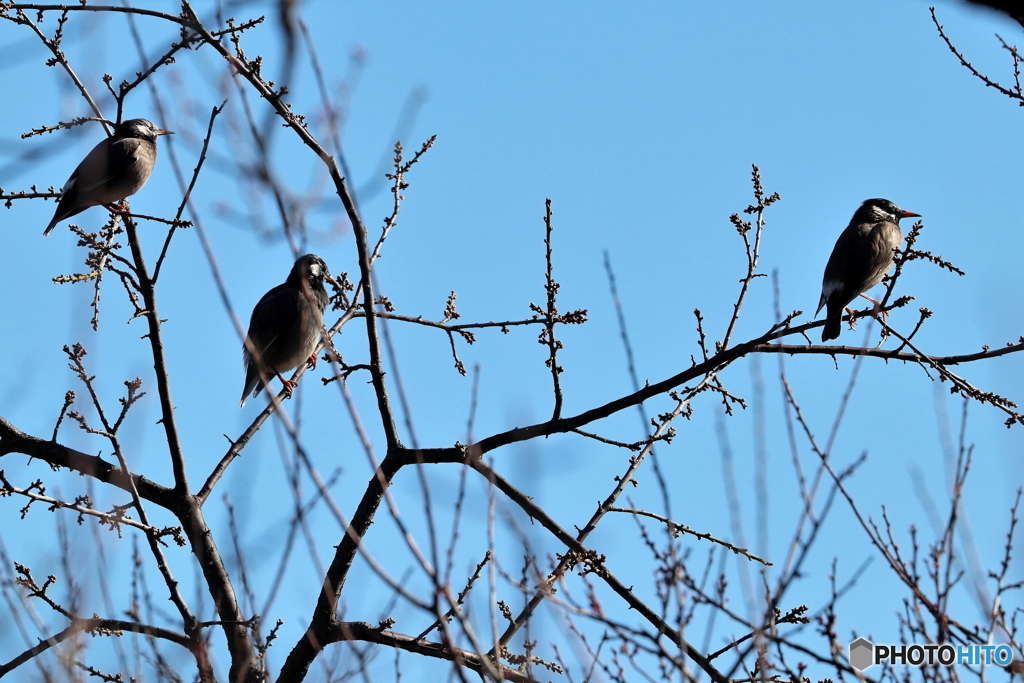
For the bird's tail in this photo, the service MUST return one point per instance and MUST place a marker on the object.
(252, 381)
(251, 389)
(833, 323)
(51, 226)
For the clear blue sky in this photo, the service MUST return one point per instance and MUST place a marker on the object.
(641, 124)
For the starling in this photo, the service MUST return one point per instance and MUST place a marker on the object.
(285, 326)
(116, 168)
(860, 259)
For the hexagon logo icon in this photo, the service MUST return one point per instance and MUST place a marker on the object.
(862, 654)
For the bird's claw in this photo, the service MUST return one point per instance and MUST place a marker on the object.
(876, 309)
(289, 386)
(311, 362)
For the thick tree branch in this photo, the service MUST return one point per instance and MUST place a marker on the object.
(13, 440)
(324, 621)
(104, 627)
(361, 630)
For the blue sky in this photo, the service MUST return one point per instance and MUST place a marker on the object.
(641, 124)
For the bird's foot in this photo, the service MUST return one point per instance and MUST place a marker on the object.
(114, 207)
(289, 385)
(851, 319)
(876, 310)
(311, 362)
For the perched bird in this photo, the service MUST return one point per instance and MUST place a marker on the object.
(116, 168)
(285, 326)
(860, 259)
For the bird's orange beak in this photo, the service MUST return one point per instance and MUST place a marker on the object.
(335, 282)
(909, 214)
(161, 131)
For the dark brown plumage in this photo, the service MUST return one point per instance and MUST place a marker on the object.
(285, 326)
(116, 168)
(860, 259)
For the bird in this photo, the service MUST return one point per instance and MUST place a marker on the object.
(860, 259)
(116, 168)
(285, 326)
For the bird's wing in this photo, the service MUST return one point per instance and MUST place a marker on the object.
(98, 178)
(835, 277)
(853, 268)
(275, 313)
(92, 172)
(72, 201)
(272, 318)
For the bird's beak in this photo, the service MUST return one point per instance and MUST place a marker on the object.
(330, 279)
(909, 214)
(161, 131)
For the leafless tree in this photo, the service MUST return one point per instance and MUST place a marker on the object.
(524, 615)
